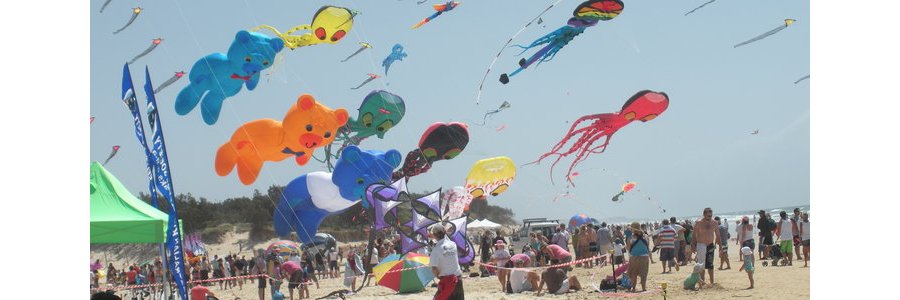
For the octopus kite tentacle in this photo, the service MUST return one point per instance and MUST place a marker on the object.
(134, 14)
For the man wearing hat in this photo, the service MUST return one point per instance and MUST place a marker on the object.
(444, 263)
(639, 257)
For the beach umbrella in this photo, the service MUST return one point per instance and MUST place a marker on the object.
(284, 247)
(321, 241)
(578, 220)
(412, 280)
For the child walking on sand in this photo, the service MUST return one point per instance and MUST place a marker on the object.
(747, 255)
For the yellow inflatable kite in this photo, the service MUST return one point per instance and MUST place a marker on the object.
(490, 176)
(329, 25)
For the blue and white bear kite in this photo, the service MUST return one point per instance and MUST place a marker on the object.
(308, 199)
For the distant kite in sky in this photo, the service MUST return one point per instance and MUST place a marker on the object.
(168, 82)
(371, 77)
(503, 106)
(115, 149)
(625, 188)
(787, 22)
(801, 79)
(362, 46)
(540, 20)
(587, 14)
(104, 5)
(440, 9)
(566, 195)
(755, 132)
(134, 14)
(420, 2)
(353, 14)
(699, 7)
(644, 106)
(500, 128)
(153, 45)
(396, 54)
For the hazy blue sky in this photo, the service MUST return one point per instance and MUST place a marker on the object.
(698, 153)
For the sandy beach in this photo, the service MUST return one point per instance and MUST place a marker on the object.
(789, 282)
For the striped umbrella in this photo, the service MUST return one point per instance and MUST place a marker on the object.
(284, 247)
(412, 280)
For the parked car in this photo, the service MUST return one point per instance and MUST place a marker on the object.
(543, 225)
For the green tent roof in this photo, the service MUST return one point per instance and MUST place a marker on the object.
(117, 216)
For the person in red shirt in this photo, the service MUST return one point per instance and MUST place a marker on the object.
(199, 292)
(131, 275)
(557, 254)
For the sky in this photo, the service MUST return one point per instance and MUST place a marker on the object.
(698, 153)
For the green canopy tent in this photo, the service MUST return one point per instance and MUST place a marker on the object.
(117, 216)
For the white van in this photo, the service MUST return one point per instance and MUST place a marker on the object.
(542, 225)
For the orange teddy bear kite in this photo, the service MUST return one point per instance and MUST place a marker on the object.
(306, 126)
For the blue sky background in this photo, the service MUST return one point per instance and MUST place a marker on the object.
(698, 153)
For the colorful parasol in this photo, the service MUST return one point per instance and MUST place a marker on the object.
(283, 247)
(387, 273)
(578, 220)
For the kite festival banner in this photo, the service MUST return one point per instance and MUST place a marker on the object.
(130, 99)
(164, 184)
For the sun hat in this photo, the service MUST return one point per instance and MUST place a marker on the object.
(635, 226)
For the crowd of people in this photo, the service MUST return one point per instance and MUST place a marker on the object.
(685, 243)
(542, 261)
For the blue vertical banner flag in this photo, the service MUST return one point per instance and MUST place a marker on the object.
(164, 184)
(129, 97)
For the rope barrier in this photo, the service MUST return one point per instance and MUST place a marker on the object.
(574, 262)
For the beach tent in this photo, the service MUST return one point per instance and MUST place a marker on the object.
(484, 224)
(474, 224)
(117, 216)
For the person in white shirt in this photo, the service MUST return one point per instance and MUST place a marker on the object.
(444, 263)
(522, 280)
(785, 232)
(332, 262)
(804, 237)
(501, 258)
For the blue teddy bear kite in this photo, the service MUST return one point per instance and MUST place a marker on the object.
(221, 75)
(308, 199)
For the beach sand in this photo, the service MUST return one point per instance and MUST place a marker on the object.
(790, 282)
